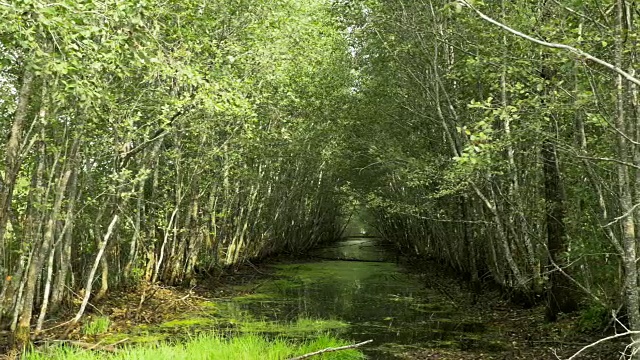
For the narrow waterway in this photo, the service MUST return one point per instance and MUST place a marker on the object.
(358, 282)
(355, 290)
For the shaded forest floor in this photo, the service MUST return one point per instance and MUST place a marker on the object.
(527, 336)
(522, 332)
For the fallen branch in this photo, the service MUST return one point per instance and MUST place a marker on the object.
(603, 340)
(69, 321)
(327, 350)
(93, 347)
(348, 259)
(557, 342)
(255, 268)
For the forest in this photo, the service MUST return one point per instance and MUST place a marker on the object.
(159, 142)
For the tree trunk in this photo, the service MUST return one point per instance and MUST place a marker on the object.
(57, 295)
(94, 269)
(13, 160)
(21, 332)
(560, 290)
(632, 296)
(50, 231)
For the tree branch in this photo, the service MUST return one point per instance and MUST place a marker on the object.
(623, 215)
(568, 48)
(327, 350)
(580, 14)
(611, 160)
(575, 356)
(126, 157)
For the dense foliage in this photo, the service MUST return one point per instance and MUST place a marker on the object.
(501, 138)
(149, 140)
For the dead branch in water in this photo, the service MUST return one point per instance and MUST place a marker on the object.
(90, 346)
(327, 350)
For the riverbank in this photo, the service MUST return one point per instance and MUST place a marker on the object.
(522, 331)
(163, 322)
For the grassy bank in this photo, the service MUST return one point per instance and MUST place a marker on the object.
(246, 347)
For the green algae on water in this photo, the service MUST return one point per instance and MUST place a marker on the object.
(354, 300)
(300, 327)
(188, 322)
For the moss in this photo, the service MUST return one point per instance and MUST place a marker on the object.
(301, 327)
(430, 307)
(448, 344)
(345, 270)
(495, 346)
(209, 305)
(308, 300)
(133, 339)
(254, 297)
(395, 348)
(22, 336)
(188, 322)
(593, 318)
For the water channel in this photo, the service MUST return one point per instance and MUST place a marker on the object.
(354, 290)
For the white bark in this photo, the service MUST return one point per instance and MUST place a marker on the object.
(94, 269)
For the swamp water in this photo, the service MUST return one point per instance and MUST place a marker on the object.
(355, 291)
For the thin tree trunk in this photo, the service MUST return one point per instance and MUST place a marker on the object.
(133, 245)
(104, 278)
(94, 269)
(471, 247)
(516, 217)
(57, 295)
(18, 303)
(560, 291)
(165, 240)
(50, 232)
(632, 296)
(13, 160)
(21, 333)
(520, 282)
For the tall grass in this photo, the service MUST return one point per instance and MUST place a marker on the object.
(97, 326)
(206, 347)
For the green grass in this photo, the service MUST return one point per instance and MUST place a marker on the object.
(205, 347)
(96, 326)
